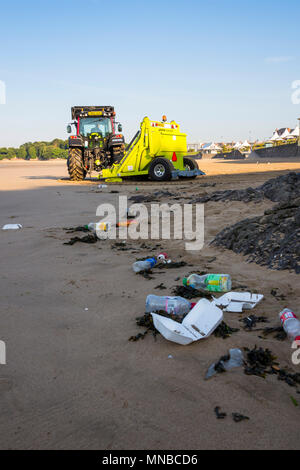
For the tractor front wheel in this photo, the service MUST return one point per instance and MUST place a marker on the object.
(161, 169)
(75, 165)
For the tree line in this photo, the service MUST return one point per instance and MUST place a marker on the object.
(57, 148)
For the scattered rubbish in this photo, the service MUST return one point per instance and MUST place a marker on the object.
(232, 360)
(142, 266)
(219, 415)
(209, 282)
(251, 321)
(175, 305)
(224, 331)
(290, 324)
(270, 240)
(294, 401)
(198, 324)
(91, 238)
(102, 186)
(12, 227)
(237, 417)
(258, 361)
(238, 301)
(170, 356)
(86, 309)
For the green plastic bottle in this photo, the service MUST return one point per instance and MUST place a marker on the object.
(209, 282)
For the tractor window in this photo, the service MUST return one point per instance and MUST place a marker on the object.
(101, 125)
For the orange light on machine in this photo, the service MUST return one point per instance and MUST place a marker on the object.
(164, 118)
(174, 157)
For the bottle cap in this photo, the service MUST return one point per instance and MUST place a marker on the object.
(185, 281)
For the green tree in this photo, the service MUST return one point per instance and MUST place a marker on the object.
(21, 153)
(32, 152)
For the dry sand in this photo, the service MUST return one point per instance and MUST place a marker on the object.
(72, 379)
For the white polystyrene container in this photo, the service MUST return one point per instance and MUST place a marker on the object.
(202, 320)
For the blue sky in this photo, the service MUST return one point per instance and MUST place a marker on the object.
(222, 69)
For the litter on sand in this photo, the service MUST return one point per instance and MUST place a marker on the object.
(238, 301)
(200, 322)
(11, 227)
(233, 359)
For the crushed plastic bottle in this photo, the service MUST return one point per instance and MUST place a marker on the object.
(172, 305)
(146, 265)
(290, 324)
(209, 282)
(234, 359)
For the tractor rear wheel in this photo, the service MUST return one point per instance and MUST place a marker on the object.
(161, 169)
(75, 165)
(190, 164)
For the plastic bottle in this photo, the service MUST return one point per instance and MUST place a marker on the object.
(98, 226)
(146, 265)
(171, 305)
(209, 282)
(290, 324)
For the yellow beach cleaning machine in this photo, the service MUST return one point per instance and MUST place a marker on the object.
(158, 150)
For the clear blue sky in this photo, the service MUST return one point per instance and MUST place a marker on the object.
(220, 68)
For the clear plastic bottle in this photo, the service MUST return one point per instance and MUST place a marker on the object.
(171, 305)
(98, 226)
(209, 282)
(290, 324)
(145, 265)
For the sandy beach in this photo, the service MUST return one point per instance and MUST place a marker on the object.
(72, 378)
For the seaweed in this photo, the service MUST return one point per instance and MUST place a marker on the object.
(219, 414)
(224, 331)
